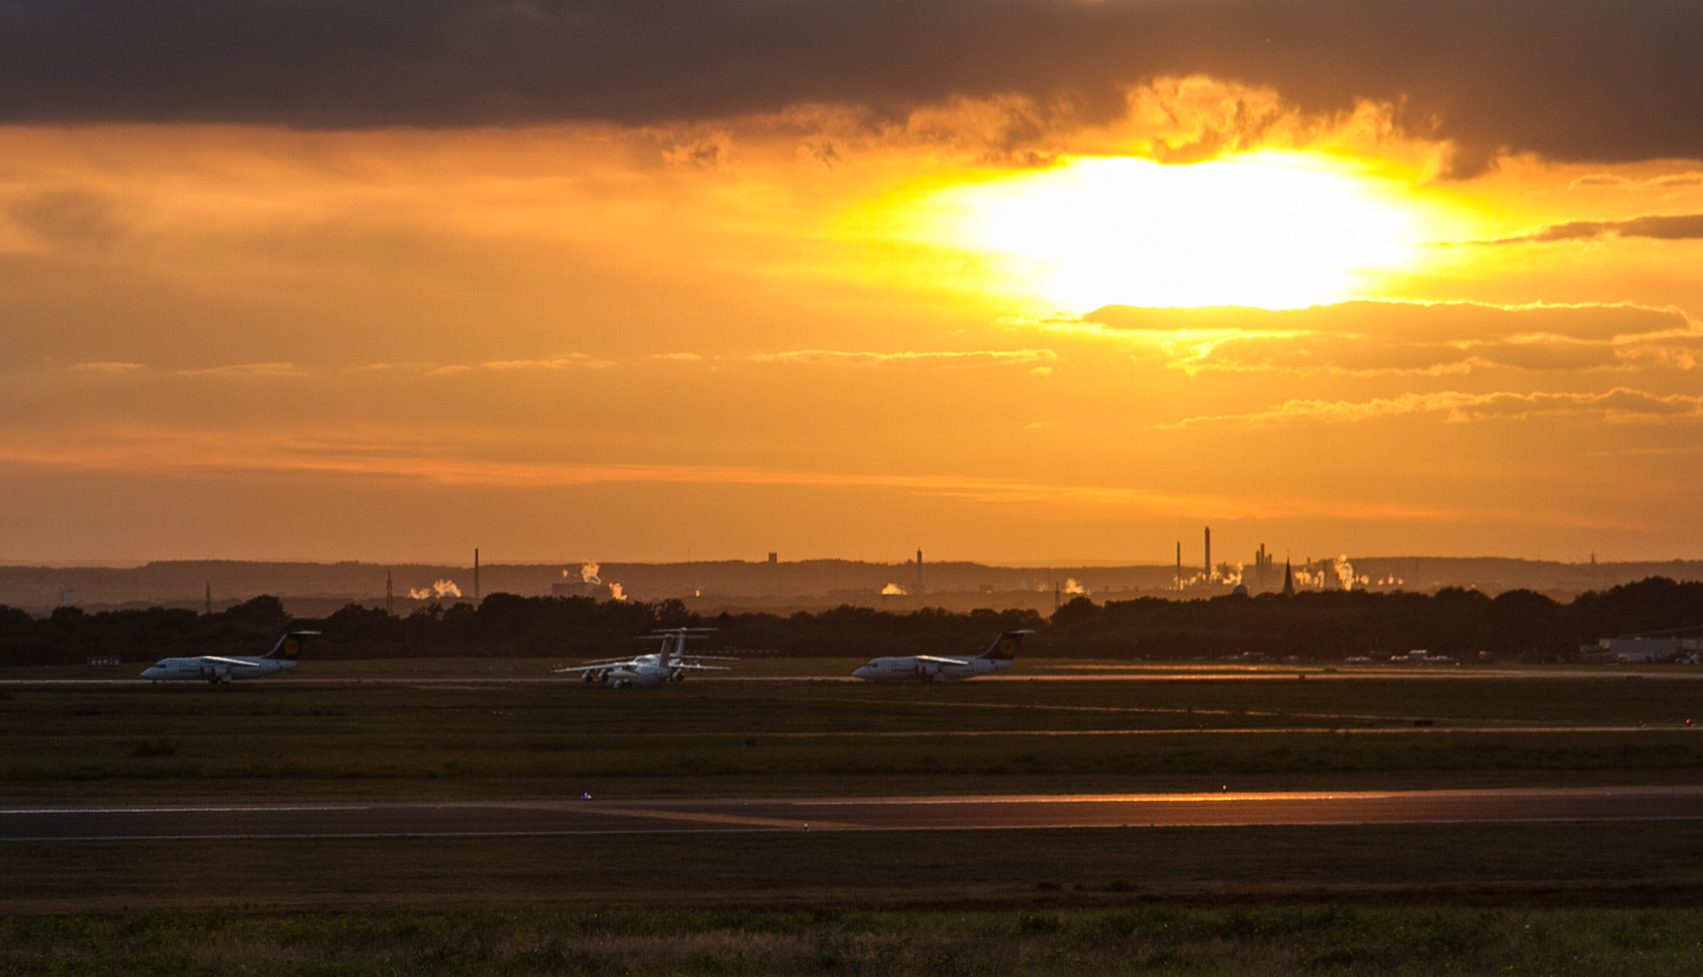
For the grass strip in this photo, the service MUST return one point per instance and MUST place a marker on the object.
(1268, 941)
(1569, 863)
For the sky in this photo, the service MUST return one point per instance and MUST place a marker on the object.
(1007, 280)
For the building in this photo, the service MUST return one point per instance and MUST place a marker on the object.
(1642, 648)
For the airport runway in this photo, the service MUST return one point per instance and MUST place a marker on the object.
(843, 814)
(1313, 671)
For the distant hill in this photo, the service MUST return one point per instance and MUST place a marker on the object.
(317, 588)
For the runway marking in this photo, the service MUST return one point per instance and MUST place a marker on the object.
(714, 818)
(364, 835)
(1671, 790)
(1140, 710)
(1098, 673)
(916, 813)
(236, 809)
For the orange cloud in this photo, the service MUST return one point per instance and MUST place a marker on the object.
(393, 454)
(983, 357)
(1618, 406)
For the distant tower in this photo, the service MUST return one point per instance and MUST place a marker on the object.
(389, 595)
(1179, 564)
(774, 558)
(1288, 579)
(919, 571)
(1209, 554)
(475, 576)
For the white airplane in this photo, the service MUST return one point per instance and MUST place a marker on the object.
(928, 668)
(649, 671)
(219, 668)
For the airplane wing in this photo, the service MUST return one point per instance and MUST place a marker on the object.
(594, 666)
(709, 658)
(239, 662)
(607, 661)
(941, 661)
(702, 668)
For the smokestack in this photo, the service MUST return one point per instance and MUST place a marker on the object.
(919, 571)
(1179, 564)
(774, 558)
(476, 576)
(389, 596)
(1209, 554)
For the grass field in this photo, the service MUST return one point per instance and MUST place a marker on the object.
(1265, 941)
(1478, 898)
(446, 737)
(1548, 864)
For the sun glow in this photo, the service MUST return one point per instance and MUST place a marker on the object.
(1268, 230)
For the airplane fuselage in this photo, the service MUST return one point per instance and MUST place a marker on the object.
(206, 668)
(649, 671)
(912, 668)
(635, 675)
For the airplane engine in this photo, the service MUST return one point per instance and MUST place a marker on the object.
(588, 677)
(677, 677)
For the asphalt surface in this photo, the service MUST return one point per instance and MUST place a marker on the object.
(1314, 671)
(589, 816)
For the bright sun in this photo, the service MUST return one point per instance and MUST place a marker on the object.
(1270, 230)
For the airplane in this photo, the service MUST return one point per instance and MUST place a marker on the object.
(670, 664)
(929, 668)
(221, 669)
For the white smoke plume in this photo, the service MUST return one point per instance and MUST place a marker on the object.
(617, 592)
(1072, 587)
(1228, 574)
(1345, 573)
(588, 573)
(893, 590)
(1306, 576)
(437, 591)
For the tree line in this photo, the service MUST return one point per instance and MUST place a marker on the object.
(1516, 625)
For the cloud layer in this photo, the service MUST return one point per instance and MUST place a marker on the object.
(1390, 339)
(1660, 227)
(1618, 406)
(1577, 79)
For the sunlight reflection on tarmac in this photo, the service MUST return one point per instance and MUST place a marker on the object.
(848, 814)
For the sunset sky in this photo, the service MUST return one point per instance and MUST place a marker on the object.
(1010, 280)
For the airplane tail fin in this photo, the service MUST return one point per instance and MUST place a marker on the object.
(1004, 647)
(290, 645)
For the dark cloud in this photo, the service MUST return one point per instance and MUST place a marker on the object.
(1609, 81)
(1676, 227)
